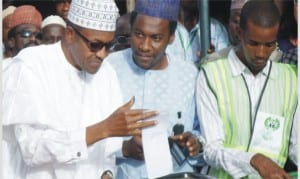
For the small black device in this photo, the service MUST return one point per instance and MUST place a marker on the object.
(178, 128)
(179, 153)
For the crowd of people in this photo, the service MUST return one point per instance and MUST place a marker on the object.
(91, 93)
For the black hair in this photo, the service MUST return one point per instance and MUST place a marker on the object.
(172, 24)
(288, 25)
(261, 13)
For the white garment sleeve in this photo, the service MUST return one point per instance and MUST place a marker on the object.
(219, 35)
(235, 162)
(293, 147)
(43, 145)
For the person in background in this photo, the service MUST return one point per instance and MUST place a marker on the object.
(187, 35)
(288, 32)
(25, 31)
(53, 29)
(159, 81)
(249, 128)
(6, 25)
(291, 55)
(233, 28)
(122, 34)
(62, 8)
(25, 28)
(62, 105)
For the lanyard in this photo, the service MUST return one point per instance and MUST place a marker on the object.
(190, 41)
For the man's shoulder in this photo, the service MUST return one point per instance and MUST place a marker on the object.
(38, 57)
(115, 56)
(223, 53)
(36, 53)
(284, 67)
(185, 65)
(214, 63)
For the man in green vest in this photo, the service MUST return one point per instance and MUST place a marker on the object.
(246, 103)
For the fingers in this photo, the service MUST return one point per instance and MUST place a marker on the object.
(138, 114)
(135, 128)
(182, 137)
(141, 115)
(193, 145)
(185, 135)
(129, 104)
(280, 175)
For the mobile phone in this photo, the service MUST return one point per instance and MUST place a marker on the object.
(179, 153)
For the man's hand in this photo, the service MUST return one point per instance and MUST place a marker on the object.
(133, 148)
(267, 168)
(123, 122)
(190, 141)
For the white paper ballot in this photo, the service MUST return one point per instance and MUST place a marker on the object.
(157, 154)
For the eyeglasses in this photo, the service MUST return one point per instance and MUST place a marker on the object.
(28, 33)
(122, 39)
(93, 46)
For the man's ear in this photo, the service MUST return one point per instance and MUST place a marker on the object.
(239, 32)
(69, 34)
(171, 39)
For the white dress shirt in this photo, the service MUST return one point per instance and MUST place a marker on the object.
(236, 163)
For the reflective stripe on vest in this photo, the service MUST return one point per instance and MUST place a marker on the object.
(234, 106)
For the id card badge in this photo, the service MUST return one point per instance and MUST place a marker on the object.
(267, 133)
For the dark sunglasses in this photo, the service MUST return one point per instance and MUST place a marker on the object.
(93, 46)
(28, 33)
(122, 39)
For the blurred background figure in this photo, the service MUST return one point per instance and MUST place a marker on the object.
(53, 29)
(6, 25)
(187, 36)
(233, 29)
(290, 55)
(25, 28)
(122, 34)
(25, 31)
(62, 8)
(287, 35)
(234, 21)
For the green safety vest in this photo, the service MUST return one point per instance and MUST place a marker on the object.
(278, 97)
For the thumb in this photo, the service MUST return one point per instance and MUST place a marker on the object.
(130, 103)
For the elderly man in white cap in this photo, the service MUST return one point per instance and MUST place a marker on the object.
(60, 108)
(53, 29)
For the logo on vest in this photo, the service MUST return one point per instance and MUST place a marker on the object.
(272, 124)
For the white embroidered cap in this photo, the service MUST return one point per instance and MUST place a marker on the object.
(53, 19)
(94, 14)
(9, 10)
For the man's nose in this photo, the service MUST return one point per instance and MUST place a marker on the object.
(145, 44)
(261, 52)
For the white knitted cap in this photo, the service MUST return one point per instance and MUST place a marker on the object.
(94, 14)
(53, 19)
(237, 4)
(9, 10)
